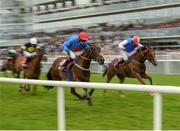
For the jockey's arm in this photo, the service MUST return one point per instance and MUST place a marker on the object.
(122, 44)
(22, 49)
(70, 53)
(66, 45)
(138, 46)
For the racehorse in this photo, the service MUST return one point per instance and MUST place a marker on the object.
(9, 65)
(80, 70)
(33, 69)
(133, 68)
(18, 64)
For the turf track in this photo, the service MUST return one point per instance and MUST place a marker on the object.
(20, 111)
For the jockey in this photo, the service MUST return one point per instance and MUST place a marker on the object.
(11, 55)
(29, 50)
(129, 47)
(72, 44)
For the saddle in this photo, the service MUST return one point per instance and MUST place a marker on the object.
(65, 65)
(119, 62)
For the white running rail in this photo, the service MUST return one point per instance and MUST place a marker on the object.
(157, 103)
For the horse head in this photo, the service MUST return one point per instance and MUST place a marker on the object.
(93, 52)
(149, 54)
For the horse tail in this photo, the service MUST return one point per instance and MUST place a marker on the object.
(105, 70)
(49, 77)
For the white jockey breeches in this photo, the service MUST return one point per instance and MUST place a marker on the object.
(74, 54)
(125, 55)
(27, 54)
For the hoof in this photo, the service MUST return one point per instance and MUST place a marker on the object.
(90, 103)
(20, 89)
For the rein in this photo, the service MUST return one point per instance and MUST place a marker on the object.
(81, 67)
(84, 58)
(142, 54)
(137, 62)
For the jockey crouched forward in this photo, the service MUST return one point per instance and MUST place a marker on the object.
(128, 47)
(11, 56)
(29, 50)
(72, 44)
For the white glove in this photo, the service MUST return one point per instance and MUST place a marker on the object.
(72, 55)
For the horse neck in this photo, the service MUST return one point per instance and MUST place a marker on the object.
(84, 61)
(35, 61)
(139, 56)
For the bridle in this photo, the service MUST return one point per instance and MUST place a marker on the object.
(84, 58)
(142, 54)
(81, 66)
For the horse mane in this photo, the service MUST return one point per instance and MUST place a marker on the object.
(92, 48)
(142, 48)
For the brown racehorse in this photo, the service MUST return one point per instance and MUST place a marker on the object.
(9, 65)
(80, 70)
(18, 65)
(134, 68)
(33, 69)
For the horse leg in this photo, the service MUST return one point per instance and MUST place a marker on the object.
(73, 91)
(87, 97)
(18, 75)
(138, 76)
(110, 75)
(91, 92)
(145, 76)
(27, 87)
(121, 80)
(22, 88)
(34, 90)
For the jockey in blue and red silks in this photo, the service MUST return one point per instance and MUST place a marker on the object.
(129, 47)
(72, 44)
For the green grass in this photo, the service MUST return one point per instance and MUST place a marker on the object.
(25, 111)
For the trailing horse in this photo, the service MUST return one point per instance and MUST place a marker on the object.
(33, 69)
(9, 65)
(80, 70)
(133, 68)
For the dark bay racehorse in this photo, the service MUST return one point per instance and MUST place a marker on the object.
(18, 64)
(33, 69)
(134, 68)
(8, 65)
(80, 70)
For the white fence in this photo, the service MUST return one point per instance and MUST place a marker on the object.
(157, 117)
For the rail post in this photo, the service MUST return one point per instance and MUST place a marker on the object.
(60, 109)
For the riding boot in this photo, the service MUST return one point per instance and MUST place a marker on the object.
(69, 76)
(120, 62)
